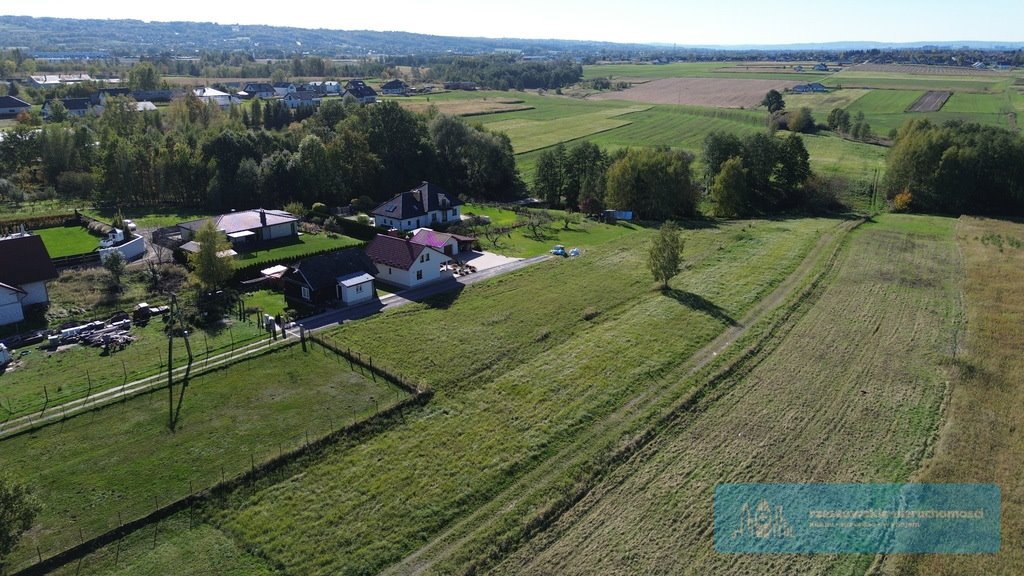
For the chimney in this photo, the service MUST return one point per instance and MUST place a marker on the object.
(263, 218)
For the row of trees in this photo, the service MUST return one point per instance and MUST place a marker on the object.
(196, 154)
(956, 168)
(507, 72)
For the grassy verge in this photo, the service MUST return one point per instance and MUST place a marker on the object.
(121, 461)
(983, 430)
(849, 390)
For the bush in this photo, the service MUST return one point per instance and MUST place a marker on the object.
(319, 208)
(901, 202)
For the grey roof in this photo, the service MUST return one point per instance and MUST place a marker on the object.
(417, 202)
(241, 221)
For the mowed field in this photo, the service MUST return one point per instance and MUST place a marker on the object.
(576, 361)
(744, 70)
(468, 107)
(710, 92)
(851, 391)
(528, 135)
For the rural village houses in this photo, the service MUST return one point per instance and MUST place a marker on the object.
(25, 268)
(422, 206)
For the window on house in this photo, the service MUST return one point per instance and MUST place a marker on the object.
(453, 212)
(433, 216)
(421, 258)
(305, 293)
(428, 256)
(359, 288)
(419, 274)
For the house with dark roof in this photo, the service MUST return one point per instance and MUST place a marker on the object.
(425, 205)
(99, 98)
(11, 106)
(407, 264)
(25, 268)
(283, 88)
(812, 87)
(360, 91)
(394, 87)
(73, 106)
(248, 227)
(344, 276)
(258, 90)
(301, 98)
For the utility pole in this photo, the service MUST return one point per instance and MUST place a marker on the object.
(170, 361)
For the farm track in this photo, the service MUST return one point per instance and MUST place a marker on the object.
(631, 419)
(931, 101)
(791, 412)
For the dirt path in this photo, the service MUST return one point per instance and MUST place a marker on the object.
(448, 544)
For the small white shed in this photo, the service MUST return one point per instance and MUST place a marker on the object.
(355, 288)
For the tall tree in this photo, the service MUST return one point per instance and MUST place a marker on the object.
(773, 101)
(665, 257)
(654, 183)
(143, 76)
(210, 270)
(549, 179)
(729, 190)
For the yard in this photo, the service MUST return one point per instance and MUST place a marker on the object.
(117, 463)
(67, 241)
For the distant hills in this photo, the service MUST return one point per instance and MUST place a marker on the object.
(138, 38)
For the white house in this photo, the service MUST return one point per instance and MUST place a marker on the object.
(212, 95)
(259, 90)
(403, 263)
(300, 98)
(25, 267)
(425, 205)
(284, 88)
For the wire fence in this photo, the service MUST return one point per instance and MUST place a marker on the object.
(42, 551)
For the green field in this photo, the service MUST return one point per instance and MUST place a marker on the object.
(75, 371)
(849, 391)
(823, 103)
(67, 241)
(893, 81)
(123, 459)
(528, 135)
(148, 217)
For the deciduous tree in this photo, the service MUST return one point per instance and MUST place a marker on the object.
(665, 257)
(18, 510)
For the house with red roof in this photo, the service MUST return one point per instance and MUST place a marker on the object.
(405, 263)
(25, 268)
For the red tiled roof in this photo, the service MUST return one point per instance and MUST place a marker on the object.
(24, 260)
(431, 238)
(395, 252)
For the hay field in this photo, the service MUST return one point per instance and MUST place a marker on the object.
(851, 391)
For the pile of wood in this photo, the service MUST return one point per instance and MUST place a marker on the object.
(112, 335)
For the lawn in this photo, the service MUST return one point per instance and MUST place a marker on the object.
(75, 371)
(267, 301)
(849, 389)
(122, 459)
(305, 245)
(67, 241)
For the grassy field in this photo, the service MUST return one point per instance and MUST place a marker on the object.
(75, 371)
(528, 135)
(150, 217)
(122, 458)
(983, 433)
(305, 245)
(545, 378)
(849, 391)
(572, 354)
(893, 81)
(823, 103)
(67, 240)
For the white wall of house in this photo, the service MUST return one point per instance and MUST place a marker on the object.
(10, 307)
(434, 217)
(356, 294)
(36, 294)
(279, 231)
(423, 271)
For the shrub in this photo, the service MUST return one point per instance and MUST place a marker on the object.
(901, 202)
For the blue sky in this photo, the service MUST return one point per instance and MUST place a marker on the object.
(680, 21)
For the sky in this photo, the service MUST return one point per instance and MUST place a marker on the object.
(722, 22)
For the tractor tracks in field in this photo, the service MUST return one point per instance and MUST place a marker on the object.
(636, 424)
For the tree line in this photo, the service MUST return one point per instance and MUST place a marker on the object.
(507, 72)
(196, 154)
